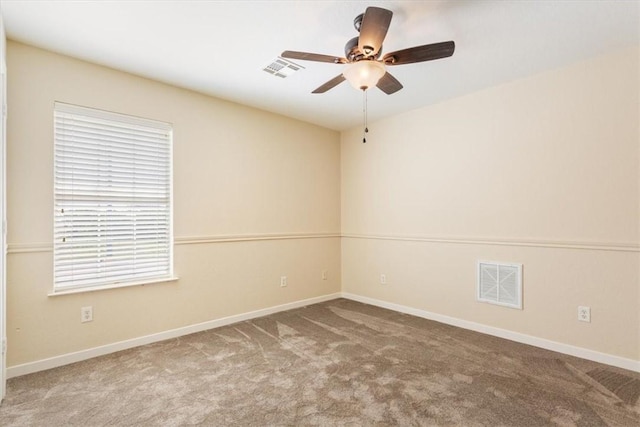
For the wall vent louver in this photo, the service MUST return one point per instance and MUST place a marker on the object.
(500, 283)
(281, 67)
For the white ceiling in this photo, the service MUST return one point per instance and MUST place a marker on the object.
(220, 47)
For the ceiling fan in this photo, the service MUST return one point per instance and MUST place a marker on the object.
(365, 68)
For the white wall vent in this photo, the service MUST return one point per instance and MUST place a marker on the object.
(281, 67)
(500, 283)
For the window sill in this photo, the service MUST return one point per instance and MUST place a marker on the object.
(55, 293)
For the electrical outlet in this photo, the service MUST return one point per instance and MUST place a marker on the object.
(324, 274)
(383, 279)
(86, 314)
(283, 281)
(584, 314)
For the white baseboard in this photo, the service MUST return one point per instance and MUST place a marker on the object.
(583, 353)
(65, 359)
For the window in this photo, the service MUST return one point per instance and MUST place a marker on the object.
(112, 199)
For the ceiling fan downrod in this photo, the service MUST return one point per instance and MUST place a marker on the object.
(357, 22)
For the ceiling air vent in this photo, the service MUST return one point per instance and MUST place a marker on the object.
(500, 283)
(281, 67)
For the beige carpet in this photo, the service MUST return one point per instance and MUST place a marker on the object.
(335, 363)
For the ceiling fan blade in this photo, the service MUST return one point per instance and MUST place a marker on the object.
(373, 30)
(306, 56)
(388, 84)
(428, 52)
(330, 84)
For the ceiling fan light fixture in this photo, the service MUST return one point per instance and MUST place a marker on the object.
(364, 74)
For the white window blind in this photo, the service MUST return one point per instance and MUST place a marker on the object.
(112, 195)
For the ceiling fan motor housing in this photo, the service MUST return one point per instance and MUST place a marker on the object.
(353, 54)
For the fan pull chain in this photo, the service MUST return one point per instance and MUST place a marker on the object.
(364, 110)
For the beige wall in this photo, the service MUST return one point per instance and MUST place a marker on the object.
(542, 171)
(237, 171)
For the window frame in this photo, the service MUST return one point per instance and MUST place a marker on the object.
(108, 281)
